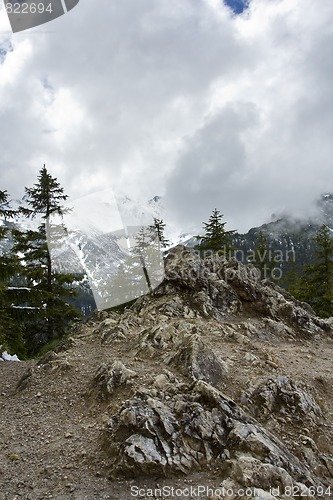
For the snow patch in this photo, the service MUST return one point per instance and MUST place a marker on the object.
(5, 356)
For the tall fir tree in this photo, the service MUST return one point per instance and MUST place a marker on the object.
(142, 251)
(262, 257)
(129, 282)
(43, 309)
(316, 284)
(159, 228)
(141, 270)
(5, 268)
(216, 238)
(11, 332)
(291, 279)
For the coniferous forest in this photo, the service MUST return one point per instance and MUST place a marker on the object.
(38, 304)
(36, 301)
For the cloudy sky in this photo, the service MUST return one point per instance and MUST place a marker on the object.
(180, 98)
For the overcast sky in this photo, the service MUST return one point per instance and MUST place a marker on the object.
(179, 98)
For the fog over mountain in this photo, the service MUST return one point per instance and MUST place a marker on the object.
(204, 103)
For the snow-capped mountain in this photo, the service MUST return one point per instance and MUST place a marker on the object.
(96, 237)
(102, 232)
(102, 229)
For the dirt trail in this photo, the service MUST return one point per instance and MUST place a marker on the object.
(50, 430)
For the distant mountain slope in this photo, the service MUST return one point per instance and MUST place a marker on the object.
(289, 237)
(100, 229)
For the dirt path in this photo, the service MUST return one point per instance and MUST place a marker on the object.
(50, 430)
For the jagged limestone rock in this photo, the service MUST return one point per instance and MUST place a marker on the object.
(195, 359)
(182, 347)
(284, 397)
(177, 433)
(210, 293)
(169, 427)
(251, 472)
(56, 362)
(158, 336)
(216, 288)
(47, 358)
(109, 377)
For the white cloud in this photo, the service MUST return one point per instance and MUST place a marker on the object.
(175, 97)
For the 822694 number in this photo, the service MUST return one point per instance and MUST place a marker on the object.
(26, 8)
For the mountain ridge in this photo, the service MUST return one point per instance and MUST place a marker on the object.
(97, 254)
(289, 235)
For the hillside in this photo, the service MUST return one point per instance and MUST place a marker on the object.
(218, 380)
(289, 237)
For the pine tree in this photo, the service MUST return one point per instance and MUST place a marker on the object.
(11, 333)
(159, 227)
(4, 270)
(216, 238)
(142, 252)
(291, 279)
(262, 257)
(316, 284)
(42, 306)
(140, 271)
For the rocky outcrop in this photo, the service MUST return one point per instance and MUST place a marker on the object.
(218, 287)
(284, 397)
(217, 376)
(109, 377)
(173, 426)
(196, 360)
(194, 428)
